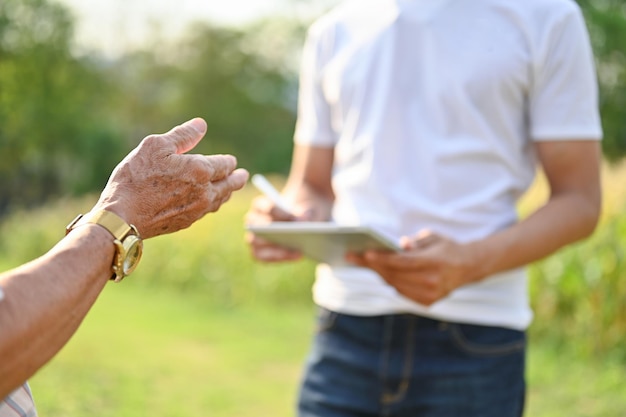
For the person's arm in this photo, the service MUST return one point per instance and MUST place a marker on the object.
(309, 185)
(308, 191)
(46, 299)
(156, 188)
(432, 265)
(571, 213)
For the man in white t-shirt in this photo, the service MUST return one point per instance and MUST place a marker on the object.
(426, 120)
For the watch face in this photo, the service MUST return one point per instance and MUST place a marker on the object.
(134, 249)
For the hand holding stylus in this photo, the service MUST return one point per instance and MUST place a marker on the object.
(269, 208)
(266, 187)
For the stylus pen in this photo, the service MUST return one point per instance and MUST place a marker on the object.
(266, 187)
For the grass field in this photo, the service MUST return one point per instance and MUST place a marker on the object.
(143, 353)
(165, 354)
(201, 330)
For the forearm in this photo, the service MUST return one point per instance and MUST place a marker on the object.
(564, 219)
(309, 186)
(570, 214)
(46, 300)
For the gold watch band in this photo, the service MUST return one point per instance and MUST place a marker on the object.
(107, 219)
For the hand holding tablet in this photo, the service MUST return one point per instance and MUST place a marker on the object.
(324, 241)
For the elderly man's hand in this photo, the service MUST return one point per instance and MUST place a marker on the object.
(160, 189)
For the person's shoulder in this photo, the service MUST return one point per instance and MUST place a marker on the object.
(535, 7)
(537, 15)
(555, 6)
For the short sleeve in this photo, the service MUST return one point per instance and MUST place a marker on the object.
(564, 95)
(18, 403)
(313, 125)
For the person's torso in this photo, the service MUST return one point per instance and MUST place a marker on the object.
(430, 103)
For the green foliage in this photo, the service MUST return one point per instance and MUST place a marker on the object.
(213, 73)
(583, 292)
(27, 234)
(606, 20)
(66, 121)
(49, 108)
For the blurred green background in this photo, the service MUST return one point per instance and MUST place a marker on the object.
(200, 329)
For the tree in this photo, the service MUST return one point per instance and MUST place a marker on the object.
(244, 93)
(49, 105)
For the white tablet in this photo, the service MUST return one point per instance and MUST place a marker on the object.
(323, 241)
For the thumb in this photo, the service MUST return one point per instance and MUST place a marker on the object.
(187, 135)
(420, 240)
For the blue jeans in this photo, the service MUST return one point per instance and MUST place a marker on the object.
(409, 366)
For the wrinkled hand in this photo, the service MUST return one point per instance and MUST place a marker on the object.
(430, 267)
(160, 189)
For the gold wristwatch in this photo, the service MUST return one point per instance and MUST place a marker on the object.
(128, 243)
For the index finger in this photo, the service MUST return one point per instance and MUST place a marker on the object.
(220, 166)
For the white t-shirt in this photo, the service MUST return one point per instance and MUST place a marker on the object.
(432, 107)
